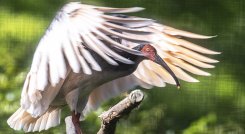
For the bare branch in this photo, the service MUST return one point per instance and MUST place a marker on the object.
(124, 107)
(110, 118)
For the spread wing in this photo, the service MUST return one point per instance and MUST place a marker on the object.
(64, 48)
(180, 55)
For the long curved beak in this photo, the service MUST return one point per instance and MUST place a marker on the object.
(161, 62)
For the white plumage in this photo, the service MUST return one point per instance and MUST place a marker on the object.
(65, 66)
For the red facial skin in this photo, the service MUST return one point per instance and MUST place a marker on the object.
(149, 51)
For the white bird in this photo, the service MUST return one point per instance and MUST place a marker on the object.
(90, 54)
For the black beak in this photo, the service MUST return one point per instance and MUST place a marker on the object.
(161, 62)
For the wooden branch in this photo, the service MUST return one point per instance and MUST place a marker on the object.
(110, 118)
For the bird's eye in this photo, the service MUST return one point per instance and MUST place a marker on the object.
(147, 49)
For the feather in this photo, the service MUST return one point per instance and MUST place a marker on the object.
(109, 51)
(90, 59)
(185, 65)
(42, 74)
(117, 10)
(184, 33)
(118, 45)
(182, 74)
(70, 55)
(123, 36)
(193, 61)
(98, 51)
(157, 69)
(75, 40)
(126, 29)
(195, 55)
(23, 120)
(195, 47)
(124, 20)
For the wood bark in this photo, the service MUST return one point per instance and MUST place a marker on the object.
(110, 118)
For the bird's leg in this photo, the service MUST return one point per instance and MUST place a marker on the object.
(76, 122)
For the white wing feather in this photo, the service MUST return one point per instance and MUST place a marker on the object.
(66, 44)
(178, 53)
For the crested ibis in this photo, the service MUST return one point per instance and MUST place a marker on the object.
(90, 54)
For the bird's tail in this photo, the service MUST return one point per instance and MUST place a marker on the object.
(22, 120)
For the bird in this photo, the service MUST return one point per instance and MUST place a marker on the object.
(90, 54)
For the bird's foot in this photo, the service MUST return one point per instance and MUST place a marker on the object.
(76, 122)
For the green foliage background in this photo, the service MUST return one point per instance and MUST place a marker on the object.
(215, 105)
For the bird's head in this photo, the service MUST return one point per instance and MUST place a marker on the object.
(150, 53)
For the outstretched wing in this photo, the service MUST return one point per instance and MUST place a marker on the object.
(179, 54)
(76, 29)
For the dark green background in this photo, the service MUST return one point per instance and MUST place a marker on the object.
(215, 105)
